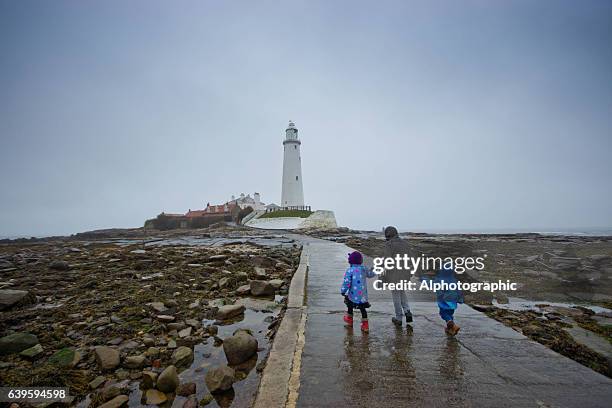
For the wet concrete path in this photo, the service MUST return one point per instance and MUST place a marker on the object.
(488, 364)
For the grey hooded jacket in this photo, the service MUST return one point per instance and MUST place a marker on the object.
(395, 246)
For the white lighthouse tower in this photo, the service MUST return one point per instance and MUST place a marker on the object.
(292, 192)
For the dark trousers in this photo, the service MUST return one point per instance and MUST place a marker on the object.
(447, 314)
(364, 312)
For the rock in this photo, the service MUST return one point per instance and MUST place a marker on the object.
(134, 361)
(240, 347)
(96, 382)
(216, 303)
(159, 307)
(13, 298)
(182, 356)
(212, 329)
(229, 311)
(17, 342)
(176, 326)
(243, 290)
(165, 318)
(186, 332)
(59, 265)
(107, 358)
(168, 380)
(192, 402)
(172, 344)
(276, 283)
(148, 379)
(116, 402)
(65, 357)
(226, 282)
(219, 379)
(261, 288)
(242, 276)
(260, 272)
(155, 397)
(193, 323)
(148, 341)
(122, 374)
(219, 257)
(185, 390)
(110, 391)
(116, 319)
(208, 398)
(152, 352)
(32, 352)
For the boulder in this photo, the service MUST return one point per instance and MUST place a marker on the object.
(226, 282)
(192, 402)
(219, 379)
(277, 283)
(159, 307)
(193, 323)
(240, 347)
(168, 380)
(261, 288)
(32, 352)
(17, 342)
(107, 357)
(59, 265)
(116, 402)
(260, 272)
(182, 356)
(186, 332)
(243, 290)
(134, 361)
(185, 390)
(96, 382)
(155, 397)
(229, 311)
(65, 357)
(13, 298)
(148, 379)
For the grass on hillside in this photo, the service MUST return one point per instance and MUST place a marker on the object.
(287, 213)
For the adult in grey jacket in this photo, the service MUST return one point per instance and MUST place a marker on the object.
(397, 246)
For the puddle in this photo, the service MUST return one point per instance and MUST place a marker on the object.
(207, 356)
(519, 304)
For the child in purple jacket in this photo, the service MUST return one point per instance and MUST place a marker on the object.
(355, 290)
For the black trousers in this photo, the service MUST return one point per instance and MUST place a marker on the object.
(364, 312)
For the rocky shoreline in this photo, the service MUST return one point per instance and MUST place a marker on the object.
(163, 319)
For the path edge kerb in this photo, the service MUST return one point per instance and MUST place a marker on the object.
(273, 388)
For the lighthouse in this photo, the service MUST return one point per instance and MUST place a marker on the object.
(292, 191)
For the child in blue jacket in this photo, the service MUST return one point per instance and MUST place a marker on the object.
(448, 300)
(355, 290)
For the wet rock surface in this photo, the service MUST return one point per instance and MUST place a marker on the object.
(107, 314)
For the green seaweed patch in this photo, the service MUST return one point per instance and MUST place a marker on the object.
(63, 357)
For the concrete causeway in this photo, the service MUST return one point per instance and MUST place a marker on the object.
(486, 365)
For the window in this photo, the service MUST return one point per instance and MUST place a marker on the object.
(296, 177)
(295, 147)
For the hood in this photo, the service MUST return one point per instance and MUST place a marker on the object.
(390, 232)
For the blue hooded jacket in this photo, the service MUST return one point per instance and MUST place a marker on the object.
(447, 299)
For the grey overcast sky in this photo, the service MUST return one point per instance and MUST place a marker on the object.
(424, 114)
